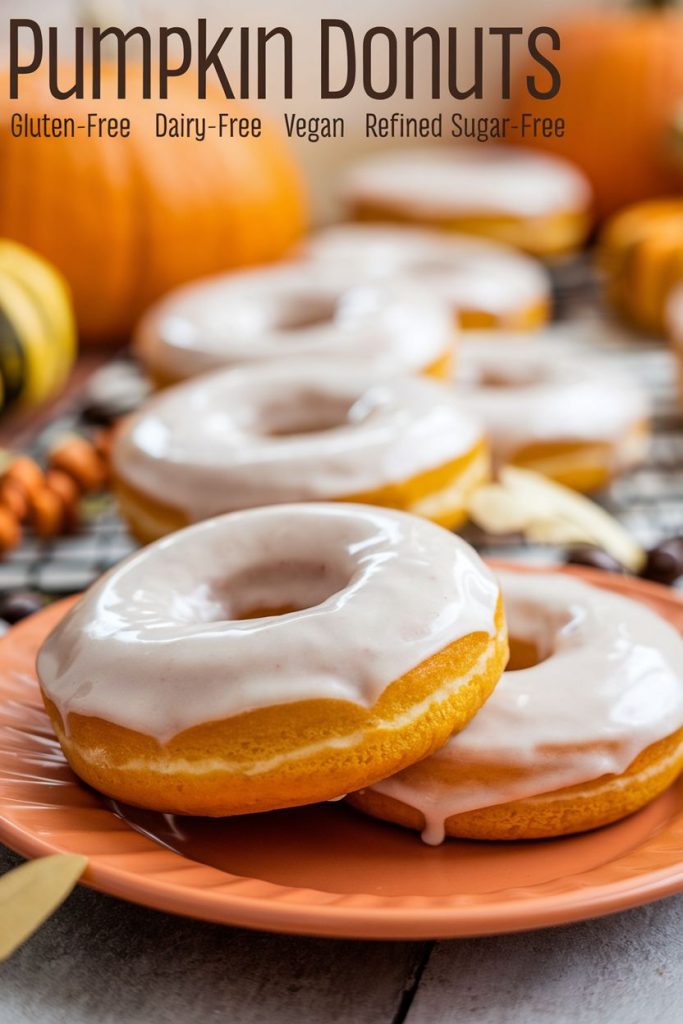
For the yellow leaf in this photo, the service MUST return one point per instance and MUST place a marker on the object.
(31, 892)
(523, 501)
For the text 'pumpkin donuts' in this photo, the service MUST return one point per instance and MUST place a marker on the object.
(272, 658)
(585, 727)
(285, 432)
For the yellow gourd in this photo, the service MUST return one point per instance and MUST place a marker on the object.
(37, 327)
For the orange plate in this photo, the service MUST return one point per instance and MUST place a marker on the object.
(322, 870)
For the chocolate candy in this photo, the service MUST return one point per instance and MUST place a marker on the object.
(665, 562)
(593, 557)
(14, 607)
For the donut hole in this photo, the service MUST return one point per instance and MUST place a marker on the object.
(536, 631)
(269, 590)
(431, 265)
(312, 412)
(520, 377)
(525, 653)
(501, 375)
(303, 311)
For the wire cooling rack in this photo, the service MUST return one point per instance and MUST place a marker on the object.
(649, 501)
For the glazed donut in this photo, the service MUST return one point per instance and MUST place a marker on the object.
(487, 285)
(534, 201)
(294, 311)
(585, 727)
(273, 658)
(641, 255)
(572, 417)
(283, 432)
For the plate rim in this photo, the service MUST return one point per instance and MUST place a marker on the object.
(361, 923)
(367, 920)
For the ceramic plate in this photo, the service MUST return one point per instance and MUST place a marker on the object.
(324, 870)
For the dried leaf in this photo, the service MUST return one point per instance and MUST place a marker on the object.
(544, 511)
(31, 892)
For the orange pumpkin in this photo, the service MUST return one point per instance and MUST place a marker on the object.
(621, 92)
(641, 255)
(127, 219)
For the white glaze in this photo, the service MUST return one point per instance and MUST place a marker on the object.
(466, 272)
(294, 310)
(286, 432)
(527, 392)
(469, 180)
(611, 685)
(152, 645)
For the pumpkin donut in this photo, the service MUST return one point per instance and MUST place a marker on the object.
(585, 727)
(583, 424)
(294, 311)
(320, 431)
(486, 284)
(273, 658)
(533, 201)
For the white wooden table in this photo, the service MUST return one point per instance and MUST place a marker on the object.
(102, 961)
